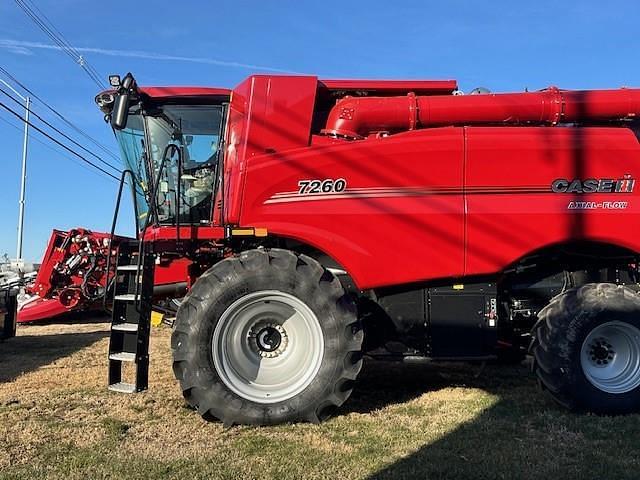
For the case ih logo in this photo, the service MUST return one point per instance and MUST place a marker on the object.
(594, 185)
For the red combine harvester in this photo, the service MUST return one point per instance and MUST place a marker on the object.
(322, 220)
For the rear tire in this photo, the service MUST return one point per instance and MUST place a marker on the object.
(586, 349)
(267, 337)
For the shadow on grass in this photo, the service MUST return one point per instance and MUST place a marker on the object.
(382, 383)
(26, 353)
(520, 433)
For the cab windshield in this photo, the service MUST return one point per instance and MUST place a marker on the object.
(175, 147)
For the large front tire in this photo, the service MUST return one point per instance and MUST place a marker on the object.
(586, 349)
(267, 337)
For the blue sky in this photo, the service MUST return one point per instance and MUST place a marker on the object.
(502, 45)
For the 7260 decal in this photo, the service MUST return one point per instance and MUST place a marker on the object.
(322, 186)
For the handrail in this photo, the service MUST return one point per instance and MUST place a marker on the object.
(154, 196)
(178, 199)
(115, 221)
(139, 233)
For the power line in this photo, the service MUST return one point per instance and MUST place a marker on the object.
(61, 132)
(49, 147)
(54, 34)
(15, 100)
(59, 115)
(70, 150)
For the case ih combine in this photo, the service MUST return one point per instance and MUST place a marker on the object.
(323, 220)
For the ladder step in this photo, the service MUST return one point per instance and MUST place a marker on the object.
(128, 268)
(127, 297)
(125, 327)
(170, 321)
(123, 356)
(122, 387)
(129, 340)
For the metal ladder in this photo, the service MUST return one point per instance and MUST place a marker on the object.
(131, 317)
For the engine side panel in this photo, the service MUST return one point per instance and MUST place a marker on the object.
(453, 321)
(511, 207)
(398, 219)
(268, 113)
(463, 320)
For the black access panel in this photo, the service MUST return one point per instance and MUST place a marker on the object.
(462, 320)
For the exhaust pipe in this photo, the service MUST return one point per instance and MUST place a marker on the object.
(357, 117)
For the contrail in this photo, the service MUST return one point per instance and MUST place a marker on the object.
(22, 48)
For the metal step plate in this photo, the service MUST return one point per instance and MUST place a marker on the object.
(125, 327)
(122, 387)
(127, 297)
(123, 357)
(128, 268)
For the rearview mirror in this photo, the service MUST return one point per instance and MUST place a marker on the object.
(120, 111)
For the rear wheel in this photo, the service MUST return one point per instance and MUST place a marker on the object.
(267, 337)
(586, 348)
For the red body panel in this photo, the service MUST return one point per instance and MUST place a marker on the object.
(193, 233)
(173, 92)
(267, 114)
(399, 220)
(506, 221)
(52, 255)
(447, 201)
(431, 203)
(393, 87)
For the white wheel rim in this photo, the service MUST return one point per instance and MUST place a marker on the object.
(610, 357)
(268, 346)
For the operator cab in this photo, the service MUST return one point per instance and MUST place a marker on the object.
(171, 139)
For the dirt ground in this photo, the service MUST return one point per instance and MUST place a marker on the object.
(57, 420)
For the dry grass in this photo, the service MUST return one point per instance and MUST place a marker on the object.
(57, 420)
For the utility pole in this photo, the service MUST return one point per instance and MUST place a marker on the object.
(23, 177)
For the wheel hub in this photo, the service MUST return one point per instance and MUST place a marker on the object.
(268, 339)
(267, 346)
(601, 352)
(610, 357)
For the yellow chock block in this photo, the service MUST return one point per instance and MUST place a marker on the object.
(156, 318)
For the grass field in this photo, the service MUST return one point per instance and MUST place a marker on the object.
(57, 420)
